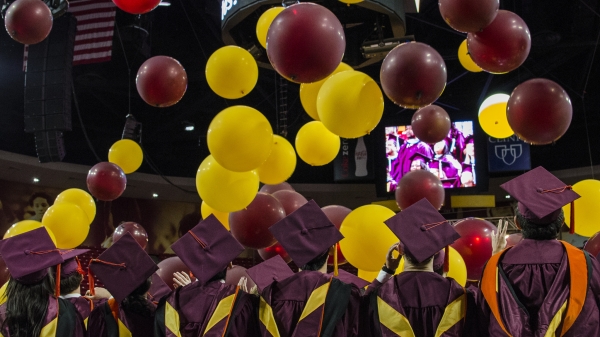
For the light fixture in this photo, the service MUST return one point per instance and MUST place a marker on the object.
(36, 180)
(189, 126)
(507, 196)
(155, 195)
(165, 3)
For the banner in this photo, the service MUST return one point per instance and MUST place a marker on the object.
(508, 154)
(354, 162)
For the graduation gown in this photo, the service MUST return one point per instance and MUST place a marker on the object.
(419, 304)
(540, 288)
(212, 309)
(84, 306)
(111, 320)
(61, 320)
(309, 303)
(406, 154)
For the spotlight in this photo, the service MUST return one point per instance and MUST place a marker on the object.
(36, 180)
(507, 196)
(154, 195)
(188, 126)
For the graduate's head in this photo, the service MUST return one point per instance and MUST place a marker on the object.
(317, 263)
(219, 276)
(533, 231)
(70, 283)
(71, 273)
(418, 163)
(136, 301)
(413, 261)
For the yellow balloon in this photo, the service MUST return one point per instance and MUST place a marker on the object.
(350, 104)
(457, 268)
(366, 238)
(586, 207)
(69, 224)
(316, 145)
(240, 138)
(310, 91)
(80, 198)
(225, 190)
(281, 163)
(206, 210)
(26, 226)
(231, 72)
(351, 1)
(465, 59)
(264, 22)
(127, 154)
(492, 116)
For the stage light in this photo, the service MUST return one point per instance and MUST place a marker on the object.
(36, 180)
(154, 195)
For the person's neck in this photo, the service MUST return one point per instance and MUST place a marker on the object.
(76, 291)
(423, 267)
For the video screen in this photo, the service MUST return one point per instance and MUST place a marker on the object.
(452, 159)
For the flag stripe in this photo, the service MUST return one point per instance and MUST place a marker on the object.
(96, 35)
(95, 30)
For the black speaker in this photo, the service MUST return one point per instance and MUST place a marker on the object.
(49, 146)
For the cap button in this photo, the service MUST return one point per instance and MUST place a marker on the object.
(423, 228)
(539, 190)
(27, 251)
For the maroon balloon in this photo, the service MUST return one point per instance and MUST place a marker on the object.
(28, 21)
(514, 239)
(135, 229)
(274, 188)
(4, 273)
(416, 185)
(592, 246)
(474, 245)
(170, 265)
(106, 181)
(413, 75)
(234, 275)
(502, 46)
(250, 226)
(539, 111)
(161, 81)
(431, 124)
(290, 200)
(468, 16)
(305, 43)
(276, 249)
(336, 214)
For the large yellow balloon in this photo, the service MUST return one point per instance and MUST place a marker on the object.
(350, 104)
(465, 59)
(492, 116)
(69, 224)
(240, 138)
(366, 238)
(372, 275)
(26, 226)
(586, 207)
(127, 154)
(225, 190)
(206, 210)
(264, 22)
(281, 163)
(80, 198)
(310, 91)
(351, 1)
(231, 72)
(316, 145)
(457, 267)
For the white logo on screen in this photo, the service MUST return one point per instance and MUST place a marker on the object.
(508, 154)
(226, 6)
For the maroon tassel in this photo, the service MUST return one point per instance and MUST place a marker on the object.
(572, 220)
(446, 259)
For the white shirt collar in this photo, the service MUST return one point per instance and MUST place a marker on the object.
(70, 296)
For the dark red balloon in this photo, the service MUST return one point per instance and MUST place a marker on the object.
(305, 43)
(514, 239)
(592, 246)
(170, 265)
(4, 273)
(274, 188)
(106, 181)
(475, 244)
(416, 185)
(336, 214)
(250, 226)
(136, 6)
(276, 249)
(431, 124)
(290, 200)
(135, 229)
(468, 16)
(235, 273)
(413, 75)
(28, 21)
(539, 111)
(502, 46)
(161, 81)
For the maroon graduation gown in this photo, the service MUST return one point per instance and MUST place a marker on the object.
(84, 306)
(534, 288)
(406, 155)
(102, 321)
(211, 310)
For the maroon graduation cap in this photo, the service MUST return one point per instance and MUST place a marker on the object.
(158, 289)
(71, 263)
(207, 249)
(306, 233)
(541, 196)
(122, 268)
(269, 271)
(422, 230)
(350, 278)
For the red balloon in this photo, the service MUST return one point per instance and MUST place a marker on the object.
(161, 81)
(502, 46)
(136, 230)
(514, 239)
(250, 226)
(106, 181)
(413, 75)
(475, 244)
(336, 214)
(431, 124)
(4, 273)
(170, 265)
(539, 111)
(290, 200)
(416, 185)
(592, 246)
(136, 6)
(468, 16)
(28, 21)
(274, 188)
(305, 43)
(234, 275)
(276, 249)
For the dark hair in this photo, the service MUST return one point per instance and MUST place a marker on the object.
(46, 196)
(26, 306)
(439, 270)
(317, 263)
(219, 276)
(413, 260)
(137, 302)
(188, 222)
(71, 283)
(535, 231)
